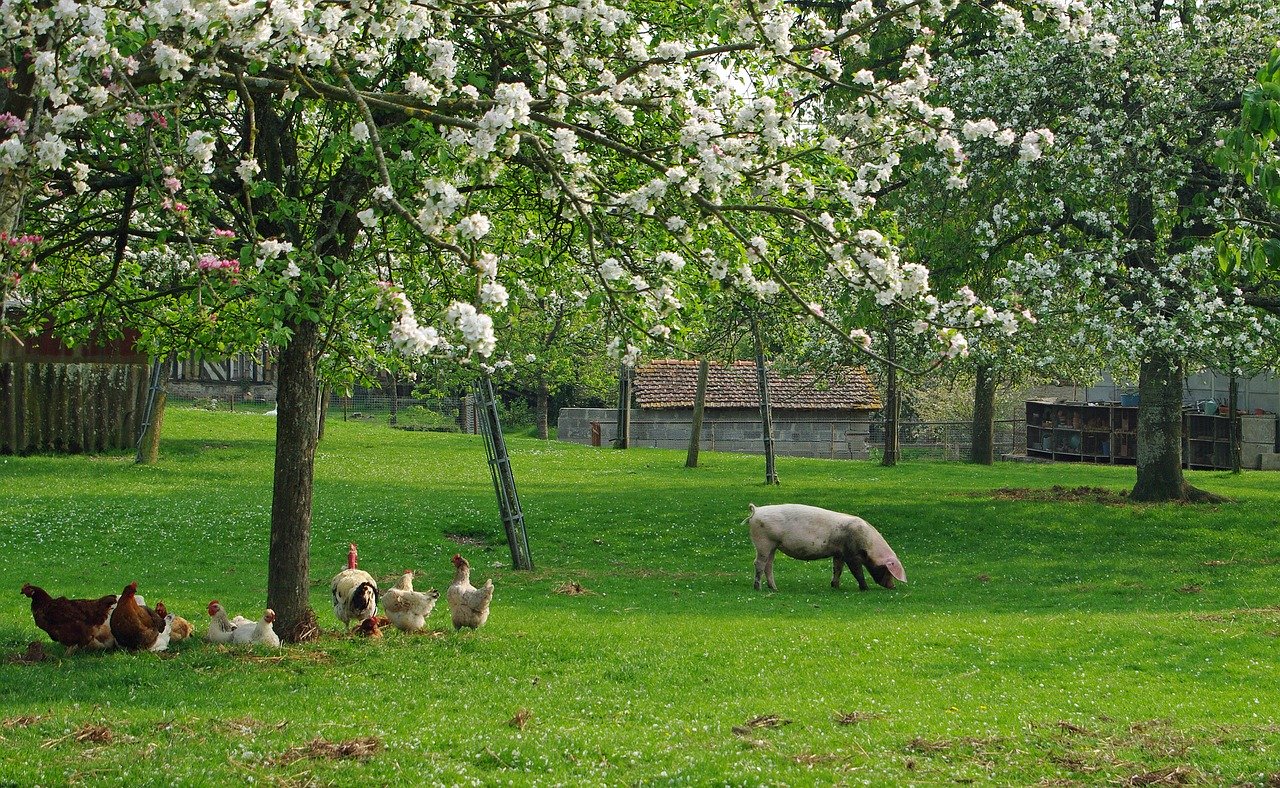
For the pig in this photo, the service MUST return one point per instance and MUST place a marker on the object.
(808, 533)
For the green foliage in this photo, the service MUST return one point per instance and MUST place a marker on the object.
(1038, 641)
(418, 418)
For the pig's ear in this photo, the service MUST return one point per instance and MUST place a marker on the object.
(895, 568)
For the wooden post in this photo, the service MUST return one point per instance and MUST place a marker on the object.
(623, 439)
(1233, 421)
(699, 405)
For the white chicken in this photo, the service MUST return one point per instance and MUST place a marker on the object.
(221, 629)
(468, 605)
(406, 609)
(264, 634)
(355, 593)
(244, 632)
(162, 639)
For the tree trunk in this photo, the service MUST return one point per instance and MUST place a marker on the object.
(149, 448)
(892, 402)
(542, 405)
(395, 400)
(766, 412)
(1160, 476)
(983, 450)
(699, 407)
(288, 580)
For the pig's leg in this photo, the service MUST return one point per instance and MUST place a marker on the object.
(837, 567)
(856, 568)
(764, 564)
(769, 569)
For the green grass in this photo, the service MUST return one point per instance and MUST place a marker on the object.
(1037, 641)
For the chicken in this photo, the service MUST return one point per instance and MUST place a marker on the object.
(265, 633)
(75, 623)
(221, 630)
(406, 609)
(136, 627)
(372, 627)
(355, 593)
(182, 629)
(468, 605)
(162, 639)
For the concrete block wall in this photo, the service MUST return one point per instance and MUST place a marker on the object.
(795, 433)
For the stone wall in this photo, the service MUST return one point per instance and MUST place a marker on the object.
(824, 434)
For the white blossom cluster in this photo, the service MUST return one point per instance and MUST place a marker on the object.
(686, 140)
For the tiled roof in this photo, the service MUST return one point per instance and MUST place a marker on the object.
(672, 383)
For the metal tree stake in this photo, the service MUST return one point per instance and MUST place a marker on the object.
(504, 481)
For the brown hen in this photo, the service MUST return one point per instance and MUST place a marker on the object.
(75, 623)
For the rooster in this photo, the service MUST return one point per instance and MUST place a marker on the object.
(406, 609)
(75, 623)
(221, 630)
(355, 592)
(139, 628)
(468, 605)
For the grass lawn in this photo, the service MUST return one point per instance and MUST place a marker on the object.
(1039, 641)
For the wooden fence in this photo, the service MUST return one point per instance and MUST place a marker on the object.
(70, 408)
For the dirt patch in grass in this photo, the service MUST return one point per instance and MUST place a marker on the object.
(855, 717)
(572, 588)
(1170, 775)
(1190, 588)
(1059, 494)
(34, 652)
(763, 721)
(87, 734)
(323, 750)
(22, 721)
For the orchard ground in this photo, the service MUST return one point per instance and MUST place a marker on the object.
(1043, 638)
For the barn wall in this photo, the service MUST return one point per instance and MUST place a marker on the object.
(70, 408)
(801, 433)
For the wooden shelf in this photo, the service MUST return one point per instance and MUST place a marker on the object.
(1107, 433)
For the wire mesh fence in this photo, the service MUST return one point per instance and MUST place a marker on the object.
(924, 440)
(947, 440)
(438, 415)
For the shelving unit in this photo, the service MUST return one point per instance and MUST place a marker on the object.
(1108, 433)
(1076, 432)
(1206, 441)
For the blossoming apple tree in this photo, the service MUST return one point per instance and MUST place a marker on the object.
(341, 178)
(1125, 205)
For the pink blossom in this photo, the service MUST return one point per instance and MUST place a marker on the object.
(221, 233)
(134, 119)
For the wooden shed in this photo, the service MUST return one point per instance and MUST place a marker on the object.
(813, 416)
(83, 399)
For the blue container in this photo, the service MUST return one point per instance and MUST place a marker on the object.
(1128, 400)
